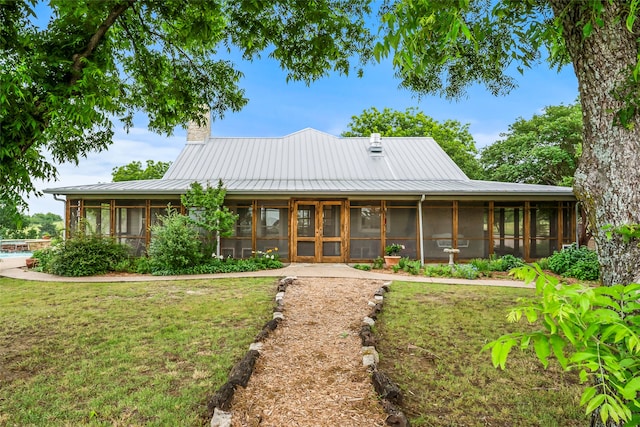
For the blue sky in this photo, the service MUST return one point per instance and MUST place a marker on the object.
(277, 108)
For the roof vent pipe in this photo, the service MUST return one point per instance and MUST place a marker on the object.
(375, 145)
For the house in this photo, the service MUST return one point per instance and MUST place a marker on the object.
(322, 198)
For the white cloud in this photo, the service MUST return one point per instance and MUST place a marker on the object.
(138, 145)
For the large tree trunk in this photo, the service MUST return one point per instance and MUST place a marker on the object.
(608, 177)
(607, 180)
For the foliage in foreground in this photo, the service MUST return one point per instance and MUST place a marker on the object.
(115, 354)
(430, 341)
(590, 330)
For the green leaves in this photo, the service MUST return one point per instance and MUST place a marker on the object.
(207, 211)
(593, 330)
(63, 85)
(133, 171)
(541, 150)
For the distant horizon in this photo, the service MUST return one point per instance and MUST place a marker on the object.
(277, 108)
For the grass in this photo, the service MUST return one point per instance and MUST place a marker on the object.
(431, 337)
(122, 353)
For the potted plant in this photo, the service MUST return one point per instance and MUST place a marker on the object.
(392, 254)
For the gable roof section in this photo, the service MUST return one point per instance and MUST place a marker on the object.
(310, 162)
(313, 155)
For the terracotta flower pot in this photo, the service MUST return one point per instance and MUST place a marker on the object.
(390, 260)
(31, 262)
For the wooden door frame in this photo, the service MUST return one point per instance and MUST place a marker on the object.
(318, 237)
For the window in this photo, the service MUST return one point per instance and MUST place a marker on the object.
(273, 229)
(365, 235)
(508, 229)
(437, 224)
(544, 229)
(401, 228)
(473, 230)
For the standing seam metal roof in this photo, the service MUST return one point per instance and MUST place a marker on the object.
(313, 162)
(314, 155)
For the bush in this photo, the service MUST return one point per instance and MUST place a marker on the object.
(412, 267)
(481, 264)
(175, 244)
(363, 267)
(85, 256)
(229, 265)
(45, 257)
(510, 262)
(378, 263)
(438, 271)
(581, 263)
(142, 265)
(465, 271)
(543, 263)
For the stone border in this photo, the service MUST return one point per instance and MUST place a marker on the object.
(389, 393)
(220, 403)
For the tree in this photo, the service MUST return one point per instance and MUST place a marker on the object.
(48, 223)
(443, 47)
(133, 171)
(542, 150)
(453, 137)
(207, 211)
(13, 223)
(65, 82)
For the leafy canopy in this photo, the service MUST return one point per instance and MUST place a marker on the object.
(133, 171)
(454, 138)
(65, 84)
(444, 47)
(542, 150)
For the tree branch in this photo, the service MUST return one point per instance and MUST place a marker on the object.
(76, 70)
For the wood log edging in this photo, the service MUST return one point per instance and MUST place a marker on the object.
(219, 405)
(389, 393)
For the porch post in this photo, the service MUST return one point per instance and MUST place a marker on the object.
(420, 230)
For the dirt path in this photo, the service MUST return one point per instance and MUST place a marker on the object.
(310, 372)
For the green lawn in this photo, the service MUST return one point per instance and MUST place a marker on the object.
(430, 342)
(122, 353)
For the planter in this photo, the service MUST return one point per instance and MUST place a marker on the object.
(31, 262)
(390, 260)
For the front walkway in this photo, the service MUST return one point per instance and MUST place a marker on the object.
(14, 268)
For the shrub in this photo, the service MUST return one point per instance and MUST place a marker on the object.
(402, 263)
(86, 256)
(215, 265)
(510, 262)
(543, 263)
(581, 263)
(438, 271)
(481, 264)
(378, 263)
(45, 257)
(412, 267)
(465, 271)
(142, 265)
(363, 267)
(175, 244)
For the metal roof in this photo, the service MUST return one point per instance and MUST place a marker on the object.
(313, 155)
(310, 162)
